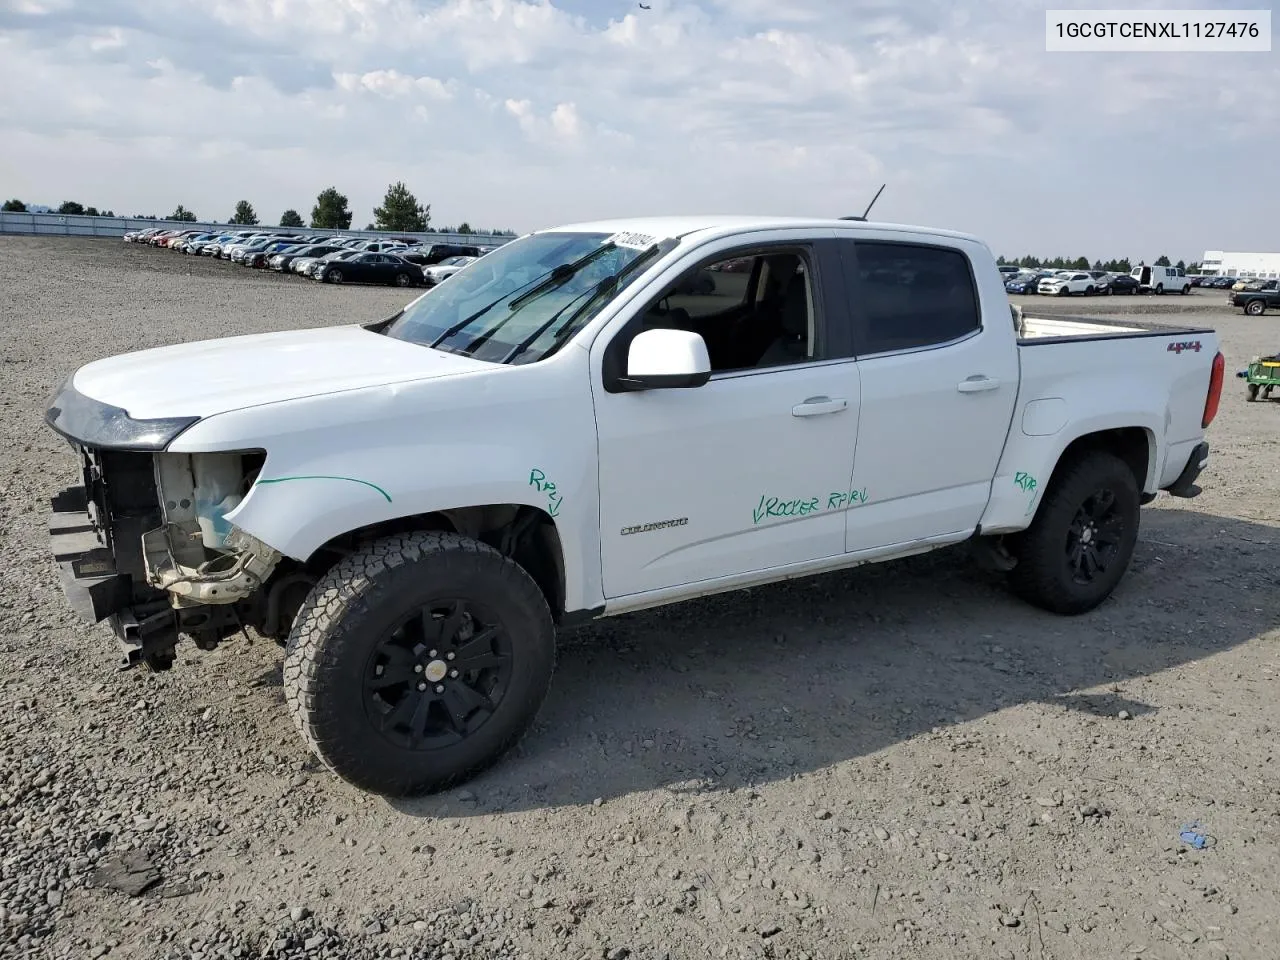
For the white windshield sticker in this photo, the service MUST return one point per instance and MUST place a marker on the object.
(636, 241)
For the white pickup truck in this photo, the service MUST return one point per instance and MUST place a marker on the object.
(597, 419)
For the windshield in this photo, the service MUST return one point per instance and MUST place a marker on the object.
(522, 302)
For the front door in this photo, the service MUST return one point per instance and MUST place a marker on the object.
(367, 268)
(751, 470)
(938, 392)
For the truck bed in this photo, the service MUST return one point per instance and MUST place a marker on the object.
(1092, 373)
(1033, 329)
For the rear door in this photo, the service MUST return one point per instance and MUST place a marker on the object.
(382, 268)
(395, 266)
(938, 390)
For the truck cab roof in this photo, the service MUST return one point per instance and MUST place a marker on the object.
(708, 226)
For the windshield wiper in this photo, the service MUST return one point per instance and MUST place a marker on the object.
(523, 345)
(467, 321)
(562, 273)
(609, 283)
(557, 276)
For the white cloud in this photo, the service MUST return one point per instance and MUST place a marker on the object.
(110, 39)
(564, 120)
(393, 83)
(522, 110)
(39, 8)
(533, 112)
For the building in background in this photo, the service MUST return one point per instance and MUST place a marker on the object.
(1241, 264)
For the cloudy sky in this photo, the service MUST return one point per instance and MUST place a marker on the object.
(528, 113)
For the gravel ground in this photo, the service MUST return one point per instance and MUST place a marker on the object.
(896, 761)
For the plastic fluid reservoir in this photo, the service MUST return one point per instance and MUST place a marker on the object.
(217, 491)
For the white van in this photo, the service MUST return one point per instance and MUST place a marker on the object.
(1161, 280)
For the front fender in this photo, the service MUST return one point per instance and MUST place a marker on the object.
(340, 462)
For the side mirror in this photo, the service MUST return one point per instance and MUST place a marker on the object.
(662, 358)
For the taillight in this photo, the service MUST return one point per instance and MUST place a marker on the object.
(1215, 390)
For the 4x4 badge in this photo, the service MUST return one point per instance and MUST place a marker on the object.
(1181, 345)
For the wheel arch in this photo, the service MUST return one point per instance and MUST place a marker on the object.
(526, 534)
(1029, 469)
(1136, 446)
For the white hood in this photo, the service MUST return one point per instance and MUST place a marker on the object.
(215, 376)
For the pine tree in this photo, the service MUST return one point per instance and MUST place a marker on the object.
(400, 211)
(244, 215)
(330, 211)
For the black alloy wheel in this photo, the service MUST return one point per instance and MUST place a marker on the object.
(438, 676)
(1095, 536)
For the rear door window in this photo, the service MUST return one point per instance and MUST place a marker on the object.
(906, 295)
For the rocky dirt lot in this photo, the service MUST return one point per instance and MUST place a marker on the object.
(897, 761)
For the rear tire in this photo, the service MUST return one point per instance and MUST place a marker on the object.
(1082, 538)
(418, 661)
(1253, 392)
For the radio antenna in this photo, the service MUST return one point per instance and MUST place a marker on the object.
(869, 205)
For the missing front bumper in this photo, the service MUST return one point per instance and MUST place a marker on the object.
(93, 587)
(228, 578)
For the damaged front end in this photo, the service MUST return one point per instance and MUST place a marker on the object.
(144, 543)
(196, 555)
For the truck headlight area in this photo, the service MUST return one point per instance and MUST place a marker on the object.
(196, 555)
(94, 423)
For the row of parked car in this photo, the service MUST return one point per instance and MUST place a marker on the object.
(403, 261)
(1142, 279)
(1063, 283)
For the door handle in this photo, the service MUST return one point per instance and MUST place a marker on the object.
(978, 383)
(816, 406)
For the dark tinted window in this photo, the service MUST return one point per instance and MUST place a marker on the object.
(909, 295)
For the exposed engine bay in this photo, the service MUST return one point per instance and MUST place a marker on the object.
(146, 543)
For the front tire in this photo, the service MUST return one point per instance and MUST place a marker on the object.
(403, 280)
(1082, 539)
(1253, 392)
(333, 276)
(418, 661)
(1255, 308)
